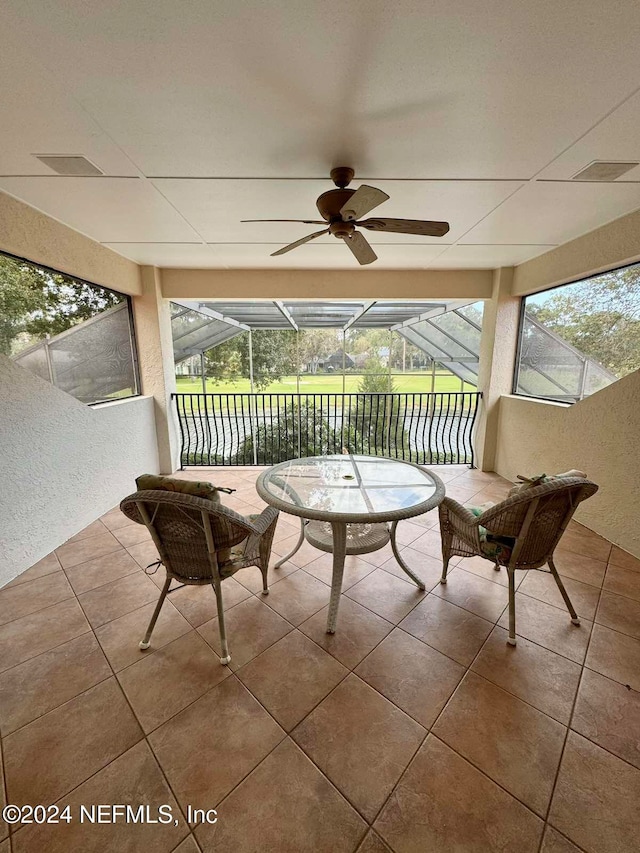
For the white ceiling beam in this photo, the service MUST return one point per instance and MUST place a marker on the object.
(360, 313)
(282, 308)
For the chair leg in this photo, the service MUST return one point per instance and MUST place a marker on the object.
(445, 566)
(512, 606)
(265, 580)
(144, 644)
(563, 592)
(217, 588)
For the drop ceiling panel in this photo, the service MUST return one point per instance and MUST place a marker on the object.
(107, 209)
(195, 255)
(215, 207)
(39, 117)
(486, 257)
(543, 213)
(250, 88)
(617, 137)
(334, 255)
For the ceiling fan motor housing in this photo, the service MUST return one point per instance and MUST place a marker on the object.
(330, 204)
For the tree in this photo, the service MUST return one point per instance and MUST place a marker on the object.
(274, 356)
(36, 302)
(314, 344)
(600, 317)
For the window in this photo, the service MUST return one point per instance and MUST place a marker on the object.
(76, 335)
(578, 338)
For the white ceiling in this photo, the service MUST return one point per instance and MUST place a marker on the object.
(205, 113)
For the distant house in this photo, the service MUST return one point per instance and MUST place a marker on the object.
(332, 363)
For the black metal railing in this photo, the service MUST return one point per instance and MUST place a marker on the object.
(263, 429)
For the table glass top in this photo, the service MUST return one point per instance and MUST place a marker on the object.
(349, 485)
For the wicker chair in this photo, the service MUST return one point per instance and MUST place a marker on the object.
(521, 532)
(191, 533)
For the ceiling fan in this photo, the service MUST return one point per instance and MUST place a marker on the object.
(342, 209)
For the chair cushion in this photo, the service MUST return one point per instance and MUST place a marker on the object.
(173, 484)
(492, 546)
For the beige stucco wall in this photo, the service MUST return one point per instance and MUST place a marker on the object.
(599, 435)
(30, 234)
(612, 245)
(326, 284)
(63, 463)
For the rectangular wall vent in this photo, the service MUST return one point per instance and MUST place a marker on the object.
(69, 164)
(602, 170)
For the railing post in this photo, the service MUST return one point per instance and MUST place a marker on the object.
(252, 404)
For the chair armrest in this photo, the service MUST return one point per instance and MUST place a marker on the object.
(263, 522)
(457, 520)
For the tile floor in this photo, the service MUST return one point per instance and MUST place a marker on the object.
(414, 728)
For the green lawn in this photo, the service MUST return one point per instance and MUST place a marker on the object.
(326, 384)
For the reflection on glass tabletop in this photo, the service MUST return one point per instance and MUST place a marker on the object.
(350, 486)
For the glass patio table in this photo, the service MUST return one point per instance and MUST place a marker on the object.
(346, 503)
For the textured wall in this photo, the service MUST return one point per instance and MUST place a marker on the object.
(28, 233)
(609, 246)
(63, 463)
(599, 435)
(326, 284)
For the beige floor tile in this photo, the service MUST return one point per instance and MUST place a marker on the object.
(624, 559)
(596, 799)
(55, 753)
(429, 543)
(355, 569)
(132, 534)
(555, 843)
(306, 553)
(120, 638)
(294, 809)
(615, 655)
(457, 633)
(621, 581)
(358, 633)
(486, 569)
(542, 678)
(132, 779)
(198, 603)
(407, 532)
(463, 493)
(291, 677)
(516, 745)
(542, 586)
(102, 570)
(189, 845)
(208, 748)
(298, 597)
(580, 568)
(620, 613)
(145, 554)
(549, 627)
(251, 577)
(31, 635)
(415, 677)
(43, 567)
(18, 601)
(377, 558)
(108, 602)
(93, 529)
(425, 567)
(609, 714)
(354, 730)
(162, 684)
(43, 683)
(373, 844)
(251, 628)
(386, 595)
(74, 553)
(588, 544)
(442, 803)
(475, 594)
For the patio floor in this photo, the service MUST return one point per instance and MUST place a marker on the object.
(414, 728)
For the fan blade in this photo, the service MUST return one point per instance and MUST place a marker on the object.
(363, 252)
(421, 227)
(306, 221)
(362, 201)
(299, 242)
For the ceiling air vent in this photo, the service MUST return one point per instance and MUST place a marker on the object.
(601, 170)
(69, 164)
